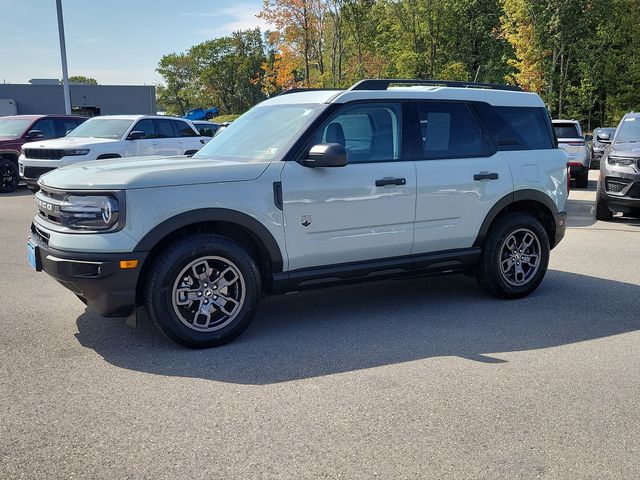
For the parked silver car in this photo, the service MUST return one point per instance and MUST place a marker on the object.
(619, 181)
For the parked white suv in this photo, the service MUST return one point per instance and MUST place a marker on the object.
(110, 136)
(309, 189)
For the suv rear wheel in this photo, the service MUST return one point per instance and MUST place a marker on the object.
(203, 291)
(582, 179)
(9, 176)
(515, 256)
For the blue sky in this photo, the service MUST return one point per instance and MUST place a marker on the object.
(113, 41)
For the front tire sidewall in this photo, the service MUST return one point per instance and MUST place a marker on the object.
(490, 275)
(163, 276)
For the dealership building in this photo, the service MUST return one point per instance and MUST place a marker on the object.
(46, 96)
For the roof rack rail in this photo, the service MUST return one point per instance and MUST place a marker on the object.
(297, 90)
(383, 84)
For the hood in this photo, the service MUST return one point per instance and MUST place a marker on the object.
(66, 142)
(626, 149)
(145, 172)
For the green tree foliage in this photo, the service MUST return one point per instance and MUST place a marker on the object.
(225, 72)
(581, 56)
(82, 79)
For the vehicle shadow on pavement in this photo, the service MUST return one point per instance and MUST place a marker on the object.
(19, 192)
(581, 213)
(357, 327)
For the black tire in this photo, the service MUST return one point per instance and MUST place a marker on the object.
(582, 180)
(489, 273)
(171, 267)
(602, 210)
(208, 116)
(9, 175)
(33, 188)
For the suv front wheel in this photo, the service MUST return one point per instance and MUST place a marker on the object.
(203, 290)
(9, 177)
(515, 256)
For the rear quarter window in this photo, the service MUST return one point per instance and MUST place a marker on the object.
(517, 128)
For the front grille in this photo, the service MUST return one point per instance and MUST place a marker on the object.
(616, 185)
(634, 191)
(35, 172)
(48, 203)
(44, 153)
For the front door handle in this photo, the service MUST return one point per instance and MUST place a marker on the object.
(390, 181)
(485, 176)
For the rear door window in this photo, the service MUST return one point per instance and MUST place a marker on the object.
(183, 129)
(65, 125)
(448, 130)
(165, 129)
(147, 127)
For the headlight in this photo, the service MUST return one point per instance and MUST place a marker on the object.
(75, 151)
(621, 161)
(91, 212)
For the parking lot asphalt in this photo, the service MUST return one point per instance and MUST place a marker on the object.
(421, 378)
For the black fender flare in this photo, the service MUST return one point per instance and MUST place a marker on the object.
(517, 196)
(13, 153)
(204, 215)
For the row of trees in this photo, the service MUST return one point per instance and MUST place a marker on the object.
(581, 56)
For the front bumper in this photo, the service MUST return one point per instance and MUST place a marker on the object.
(622, 190)
(31, 170)
(95, 278)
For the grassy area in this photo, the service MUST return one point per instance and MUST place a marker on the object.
(224, 118)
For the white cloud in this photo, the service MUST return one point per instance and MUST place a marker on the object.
(239, 17)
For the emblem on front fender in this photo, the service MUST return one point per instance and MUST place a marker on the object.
(306, 220)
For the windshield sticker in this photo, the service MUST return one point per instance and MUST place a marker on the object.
(271, 151)
(630, 119)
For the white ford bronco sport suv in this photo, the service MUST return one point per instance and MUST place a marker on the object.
(307, 189)
(110, 136)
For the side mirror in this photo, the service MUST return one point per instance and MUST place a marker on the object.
(35, 134)
(326, 155)
(604, 138)
(136, 135)
(588, 138)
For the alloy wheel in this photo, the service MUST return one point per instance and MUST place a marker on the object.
(208, 293)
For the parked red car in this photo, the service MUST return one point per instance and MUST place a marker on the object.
(19, 129)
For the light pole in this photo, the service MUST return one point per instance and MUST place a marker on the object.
(63, 56)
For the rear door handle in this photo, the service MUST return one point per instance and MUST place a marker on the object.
(485, 176)
(390, 181)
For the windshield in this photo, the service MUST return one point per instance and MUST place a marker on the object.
(13, 127)
(629, 130)
(263, 133)
(566, 130)
(101, 128)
